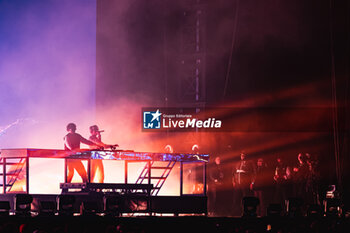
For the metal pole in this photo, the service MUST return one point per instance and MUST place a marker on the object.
(181, 178)
(205, 178)
(27, 175)
(65, 170)
(126, 171)
(89, 170)
(149, 190)
(4, 175)
(149, 171)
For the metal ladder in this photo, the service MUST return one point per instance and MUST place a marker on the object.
(144, 175)
(10, 172)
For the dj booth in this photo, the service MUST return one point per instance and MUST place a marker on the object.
(165, 182)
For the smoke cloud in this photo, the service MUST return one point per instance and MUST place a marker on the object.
(47, 71)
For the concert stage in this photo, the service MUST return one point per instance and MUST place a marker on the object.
(142, 178)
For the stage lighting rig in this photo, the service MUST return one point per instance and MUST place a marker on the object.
(65, 204)
(250, 206)
(22, 204)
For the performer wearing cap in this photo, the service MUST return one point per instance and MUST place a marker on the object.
(96, 164)
(71, 143)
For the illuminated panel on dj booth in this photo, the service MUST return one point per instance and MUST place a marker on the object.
(104, 154)
(33, 167)
(129, 155)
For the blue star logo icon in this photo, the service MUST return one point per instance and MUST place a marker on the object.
(151, 120)
(156, 115)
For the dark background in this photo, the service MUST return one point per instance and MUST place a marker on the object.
(253, 53)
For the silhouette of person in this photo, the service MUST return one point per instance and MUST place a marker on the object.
(72, 143)
(97, 168)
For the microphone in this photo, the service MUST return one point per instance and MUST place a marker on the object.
(100, 131)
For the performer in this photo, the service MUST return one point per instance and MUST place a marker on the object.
(216, 176)
(71, 143)
(313, 180)
(282, 179)
(96, 164)
(260, 184)
(243, 175)
(301, 174)
(242, 179)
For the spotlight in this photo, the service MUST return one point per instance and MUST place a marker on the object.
(168, 149)
(294, 207)
(65, 204)
(332, 207)
(249, 206)
(195, 149)
(89, 208)
(137, 204)
(4, 208)
(23, 204)
(274, 210)
(47, 208)
(332, 192)
(113, 205)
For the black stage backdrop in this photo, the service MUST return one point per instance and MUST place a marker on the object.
(252, 53)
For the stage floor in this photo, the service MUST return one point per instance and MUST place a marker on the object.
(186, 204)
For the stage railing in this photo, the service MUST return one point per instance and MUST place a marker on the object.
(15, 164)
